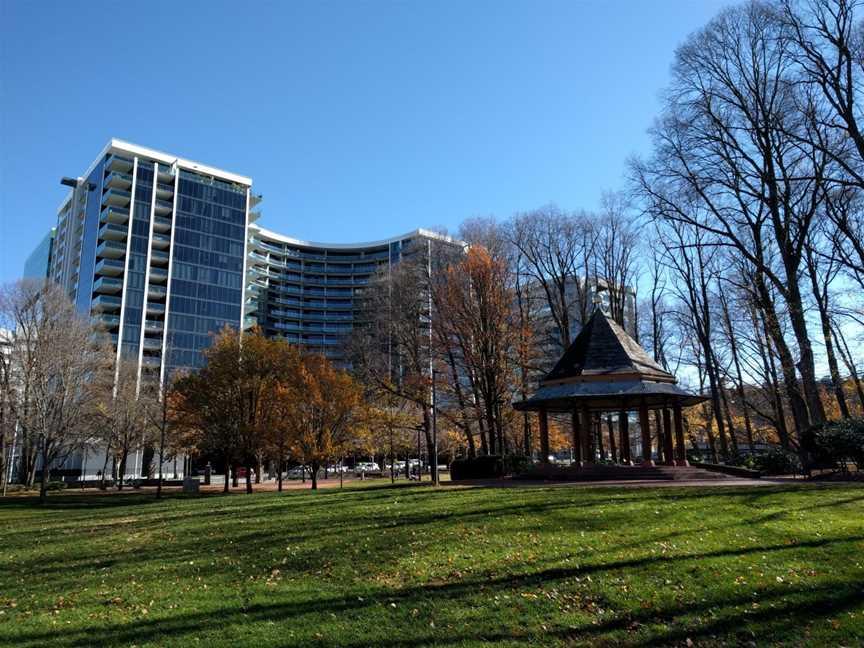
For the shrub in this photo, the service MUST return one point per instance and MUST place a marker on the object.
(55, 485)
(488, 466)
(836, 443)
(778, 461)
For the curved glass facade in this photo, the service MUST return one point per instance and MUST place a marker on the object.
(309, 293)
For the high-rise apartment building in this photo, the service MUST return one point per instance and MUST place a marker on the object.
(152, 246)
(311, 293)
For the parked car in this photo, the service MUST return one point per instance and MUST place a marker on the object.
(295, 473)
(366, 467)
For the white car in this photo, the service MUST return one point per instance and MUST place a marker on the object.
(366, 466)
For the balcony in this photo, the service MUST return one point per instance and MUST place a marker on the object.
(166, 174)
(110, 267)
(107, 321)
(112, 214)
(155, 308)
(116, 197)
(164, 191)
(161, 241)
(118, 163)
(153, 344)
(153, 326)
(161, 224)
(113, 232)
(118, 180)
(104, 303)
(158, 275)
(151, 362)
(159, 257)
(111, 250)
(107, 285)
(157, 292)
(163, 207)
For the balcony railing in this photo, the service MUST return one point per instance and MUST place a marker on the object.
(106, 303)
(113, 232)
(118, 197)
(111, 250)
(107, 285)
(113, 214)
(157, 292)
(108, 321)
(161, 224)
(159, 257)
(110, 267)
(118, 163)
(163, 207)
(119, 180)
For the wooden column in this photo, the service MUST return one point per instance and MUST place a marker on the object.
(680, 450)
(624, 434)
(613, 449)
(668, 452)
(587, 436)
(577, 438)
(658, 427)
(645, 425)
(544, 436)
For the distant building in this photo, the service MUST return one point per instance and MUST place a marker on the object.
(38, 264)
(310, 293)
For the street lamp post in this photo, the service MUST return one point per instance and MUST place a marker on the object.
(434, 459)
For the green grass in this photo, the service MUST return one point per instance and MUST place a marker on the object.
(411, 566)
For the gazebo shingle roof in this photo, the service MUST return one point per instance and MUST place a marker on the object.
(604, 349)
(606, 369)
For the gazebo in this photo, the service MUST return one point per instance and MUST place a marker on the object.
(606, 371)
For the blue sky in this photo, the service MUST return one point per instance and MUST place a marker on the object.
(356, 120)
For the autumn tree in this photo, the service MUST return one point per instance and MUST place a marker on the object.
(476, 313)
(320, 408)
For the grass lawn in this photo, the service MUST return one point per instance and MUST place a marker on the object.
(411, 566)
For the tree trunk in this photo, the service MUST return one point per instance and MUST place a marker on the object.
(227, 472)
(279, 465)
(806, 363)
(121, 477)
(825, 320)
(849, 361)
(730, 424)
(314, 475)
(800, 415)
(46, 471)
(248, 477)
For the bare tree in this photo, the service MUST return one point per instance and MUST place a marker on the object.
(557, 250)
(724, 143)
(58, 364)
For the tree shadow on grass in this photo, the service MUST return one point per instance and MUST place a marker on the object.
(776, 613)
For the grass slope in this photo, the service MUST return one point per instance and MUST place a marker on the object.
(410, 566)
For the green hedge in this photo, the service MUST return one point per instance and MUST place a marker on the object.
(836, 443)
(487, 467)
